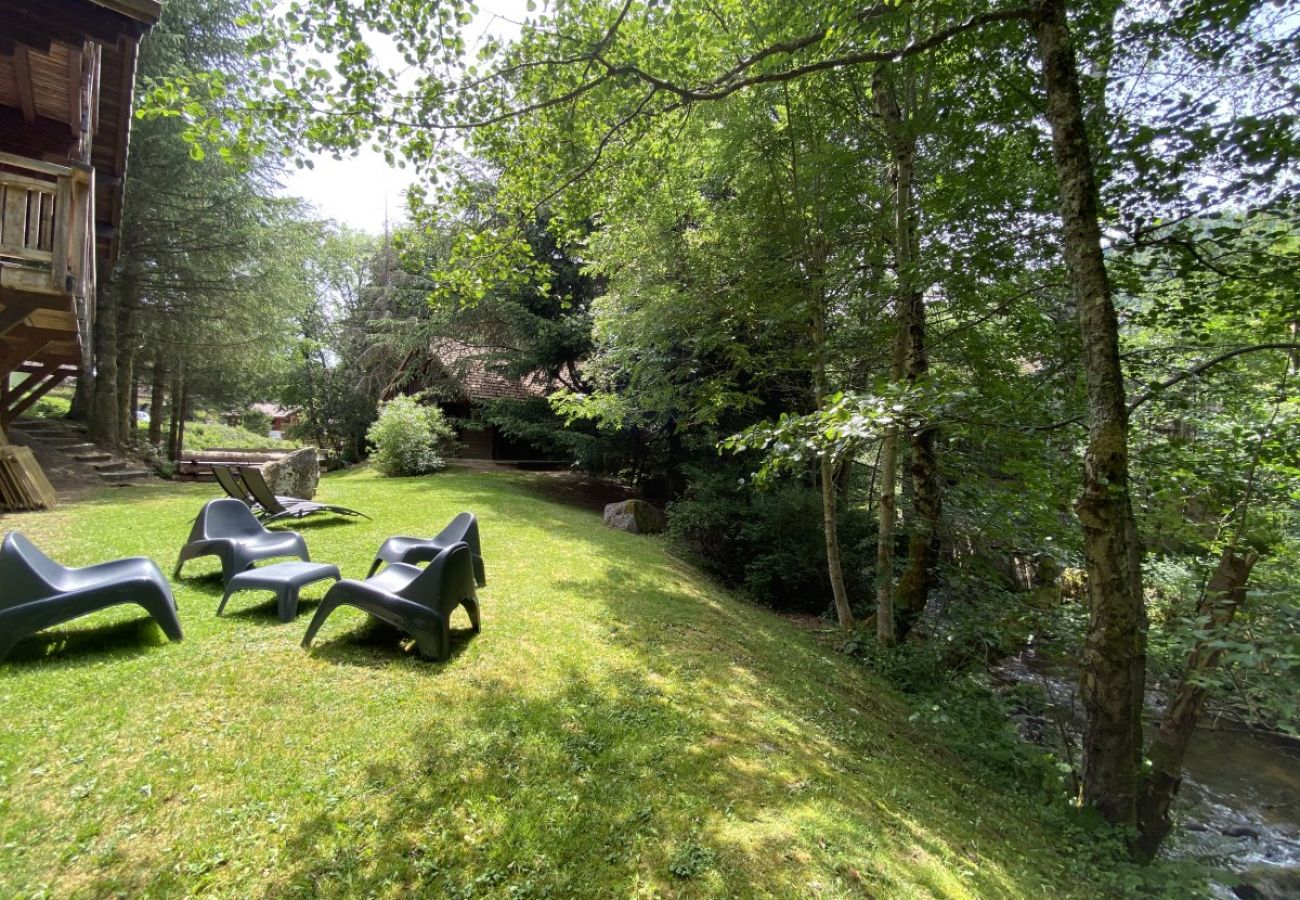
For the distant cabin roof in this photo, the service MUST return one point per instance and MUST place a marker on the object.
(468, 366)
(275, 411)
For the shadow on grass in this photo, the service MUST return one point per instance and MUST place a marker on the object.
(377, 644)
(553, 793)
(623, 780)
(73, 646)
(314, 523)
(265, 609)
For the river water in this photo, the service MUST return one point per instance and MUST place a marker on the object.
(1239, 806)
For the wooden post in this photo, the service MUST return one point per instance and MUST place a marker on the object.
(62, 234)
(49, 377)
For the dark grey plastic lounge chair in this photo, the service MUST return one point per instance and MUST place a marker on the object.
(228, 530)
(274, 508)
(38, 592)
(418, 601)
(463, 528)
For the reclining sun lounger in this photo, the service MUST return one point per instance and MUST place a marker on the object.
(274, 507)
(418, 601)
(38, 592)
(233, 485)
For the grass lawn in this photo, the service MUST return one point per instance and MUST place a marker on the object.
(621, 728)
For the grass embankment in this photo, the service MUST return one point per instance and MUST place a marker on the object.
(214, 435)
(620, 728)
(198, 435)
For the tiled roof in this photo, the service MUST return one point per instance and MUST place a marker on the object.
(469, 366)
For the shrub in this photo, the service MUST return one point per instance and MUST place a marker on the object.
(410, 438)
(257, 422)
(769, 543)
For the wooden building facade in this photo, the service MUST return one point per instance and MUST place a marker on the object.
(67, 79)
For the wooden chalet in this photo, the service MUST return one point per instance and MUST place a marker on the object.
(463, 376)
(67, 76)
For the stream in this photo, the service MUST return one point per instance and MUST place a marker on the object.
(1239, 807)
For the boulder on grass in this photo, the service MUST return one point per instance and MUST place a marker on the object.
(294, 476)
(635, 516)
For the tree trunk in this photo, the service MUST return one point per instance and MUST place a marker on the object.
(1114, 661)
(900, 607)
(918, 577)
(157, 398)
(81, 395)
(174, 426)
(1223, 597)
(135, 390)
(923, 541)
(128, 302)
(830, 525)
(888, 515)
(102, 426)
(126, 375)
(183, 405)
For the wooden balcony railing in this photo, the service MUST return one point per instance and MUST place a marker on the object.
(47, 237)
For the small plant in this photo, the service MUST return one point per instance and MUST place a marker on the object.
(691, 860)
(410, 438)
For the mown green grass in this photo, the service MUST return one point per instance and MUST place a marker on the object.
(621, 728)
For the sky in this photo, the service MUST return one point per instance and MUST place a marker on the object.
(362, 191)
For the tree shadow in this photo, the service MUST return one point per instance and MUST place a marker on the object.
(547, 792)
(616, 780)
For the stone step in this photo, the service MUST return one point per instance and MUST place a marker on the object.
(78, 446)
(92, 456)
(48, 425)
(124, 476)
(110, 465)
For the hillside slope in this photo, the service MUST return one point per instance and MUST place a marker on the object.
(621, 728)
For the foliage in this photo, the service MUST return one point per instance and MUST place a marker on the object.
(768, 542)
(842, 429)
(256, 421)
(51, 406)
(410, 438)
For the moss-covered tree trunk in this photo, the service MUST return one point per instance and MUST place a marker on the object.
(1114, 663)
(1223, 597)
(911, 362)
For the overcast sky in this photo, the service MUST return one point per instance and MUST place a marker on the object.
(362, 191)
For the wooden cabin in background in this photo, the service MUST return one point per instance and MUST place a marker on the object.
(67, 77)
(465, 379)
